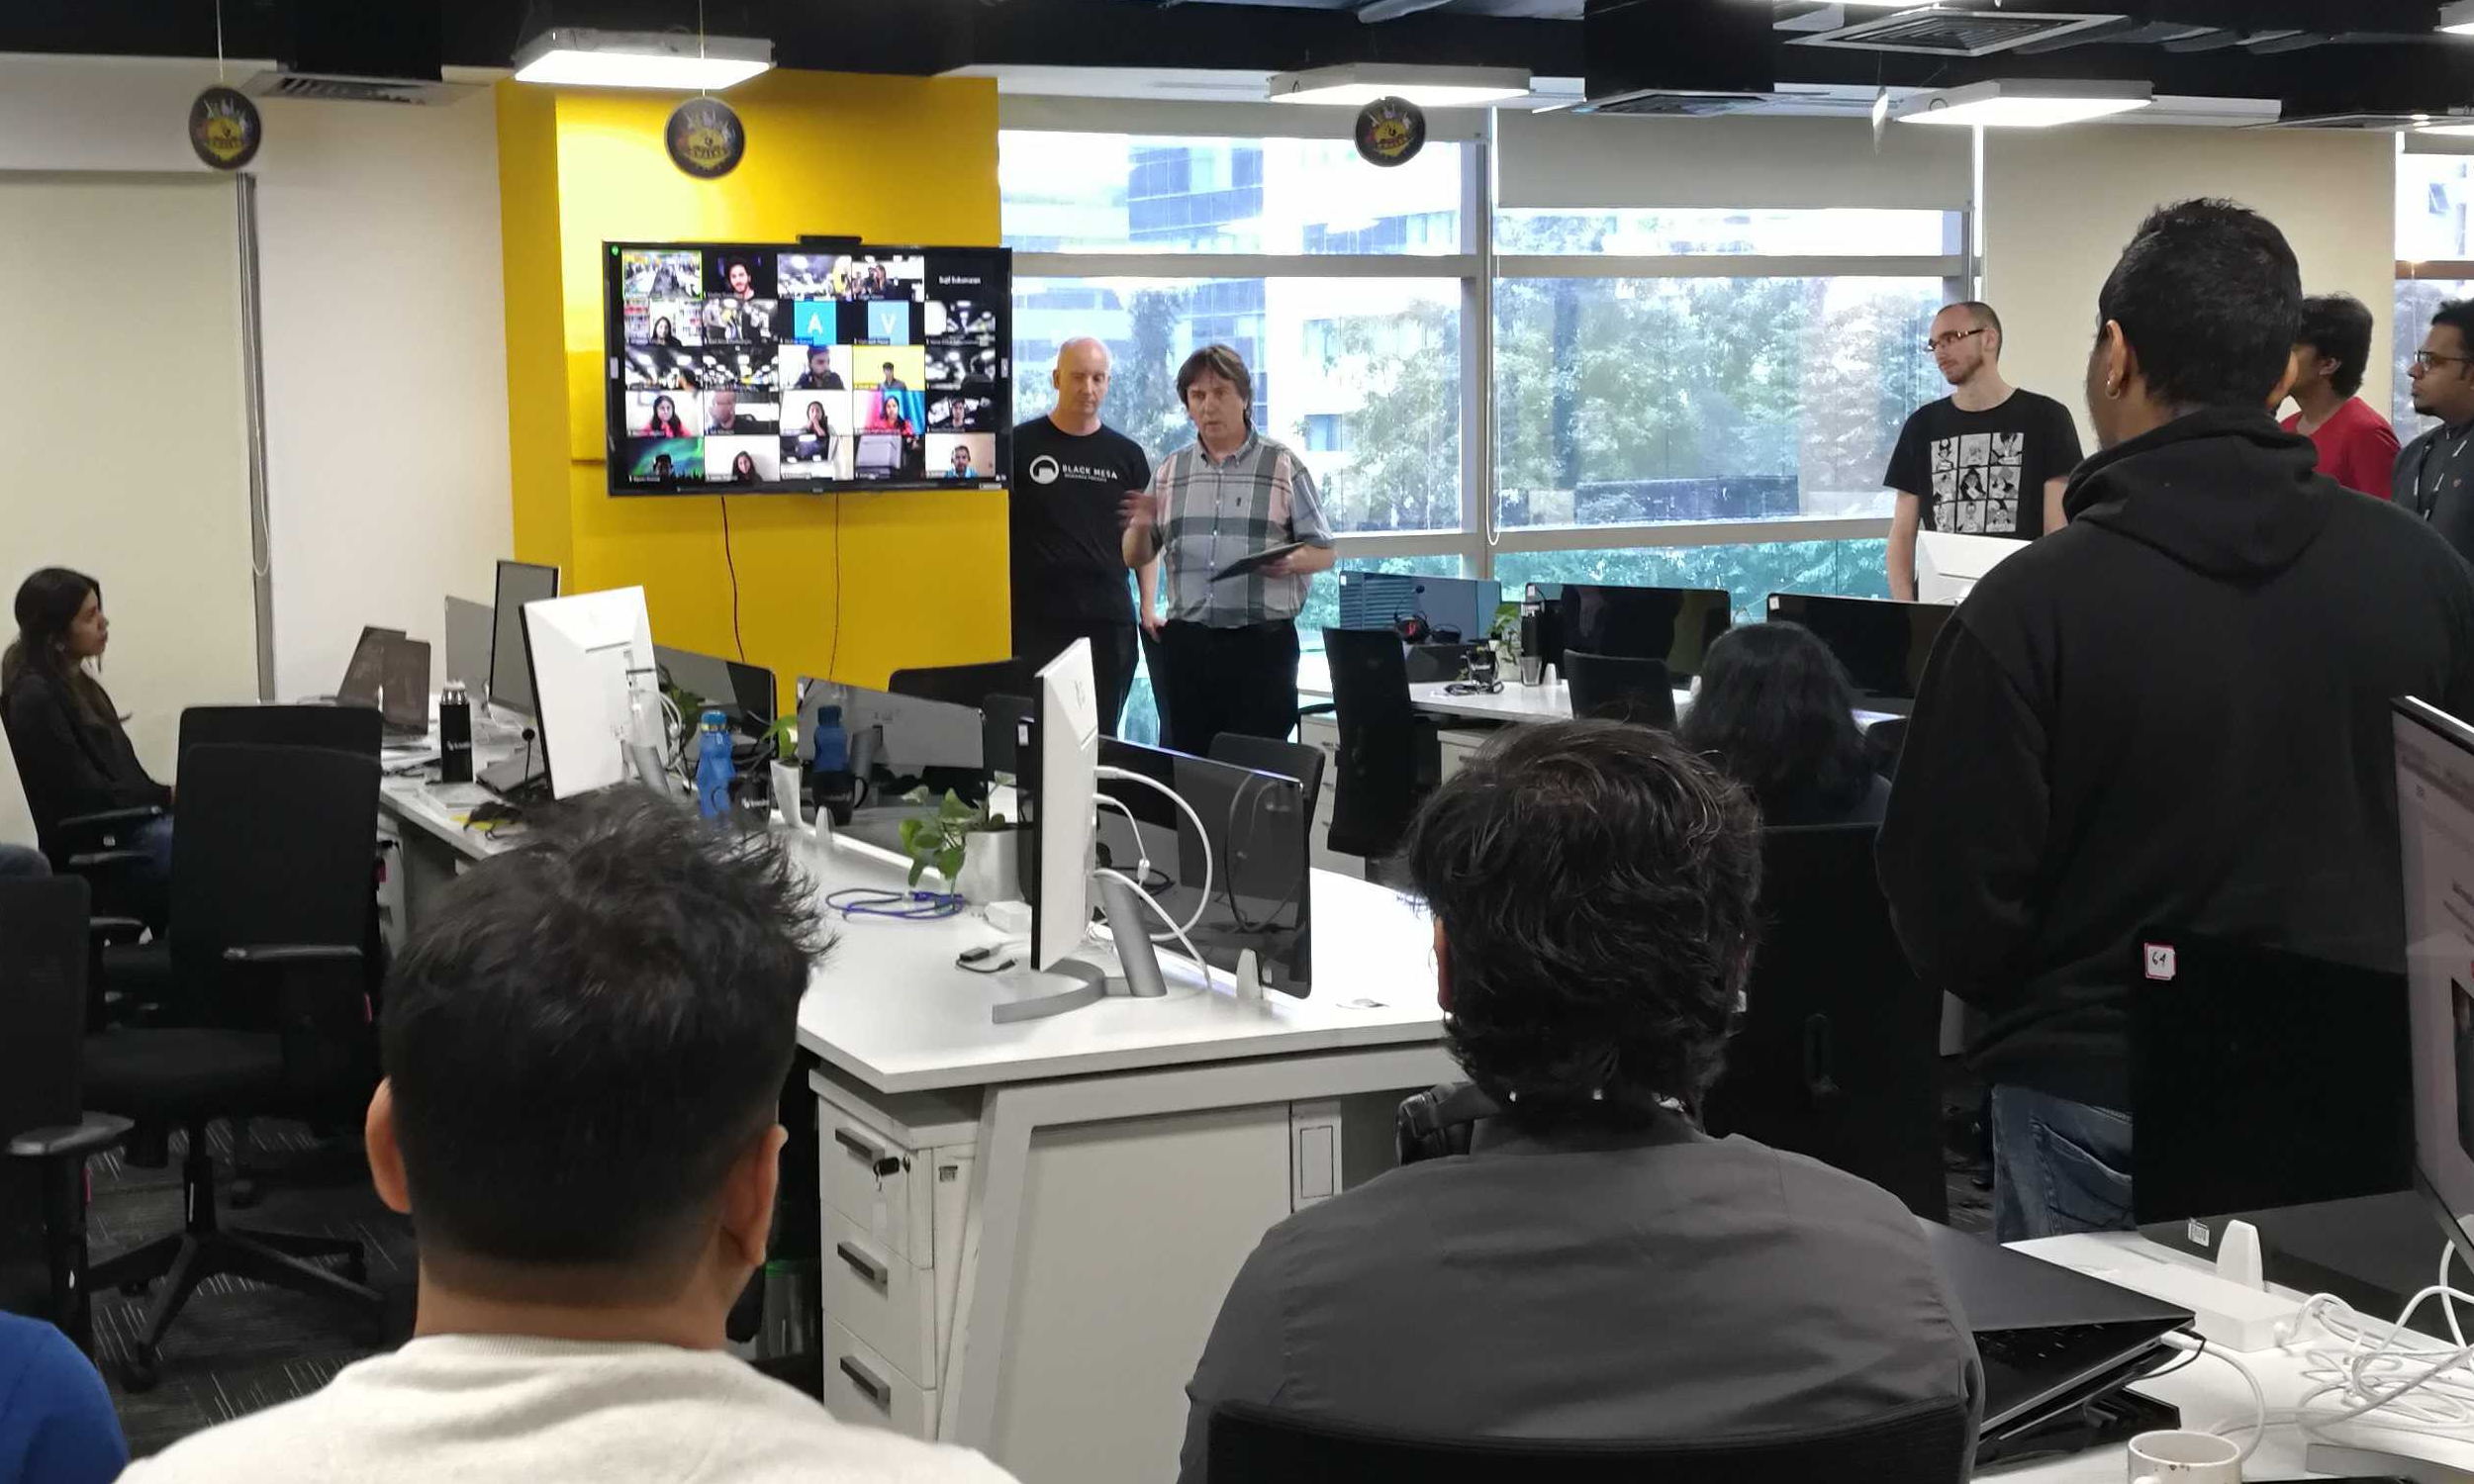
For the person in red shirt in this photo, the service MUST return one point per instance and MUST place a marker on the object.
(2357, 447)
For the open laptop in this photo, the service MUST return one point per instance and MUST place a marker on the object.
(390, 674)
(2053, 1340)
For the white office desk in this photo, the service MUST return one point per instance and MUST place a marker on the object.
(1515, 703)
(1068, 1200)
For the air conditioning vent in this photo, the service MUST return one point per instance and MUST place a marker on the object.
(1653, 104)
(1953, 33)
(313, 87)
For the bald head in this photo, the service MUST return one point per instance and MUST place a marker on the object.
(1082, 383)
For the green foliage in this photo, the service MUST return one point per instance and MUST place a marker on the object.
(938, 839)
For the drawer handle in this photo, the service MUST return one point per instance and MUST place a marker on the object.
(881, 1161)
(878, 1392)
(867, 1267)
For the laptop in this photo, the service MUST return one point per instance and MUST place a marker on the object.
(390, 674)
(2053, 1340)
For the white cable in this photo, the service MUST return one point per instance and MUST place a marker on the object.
(2258, 1394)
(2417, 1384)
(1191, 952)
(1201, 903)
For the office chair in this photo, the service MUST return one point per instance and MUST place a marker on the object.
(1838, 1056)
(360, 730)
(270, 892)
(1302, 761)
(1884, 740)
(46, 1134)
(967, 685)
(1390, 757)
(1924, 1443)
(1617, 688)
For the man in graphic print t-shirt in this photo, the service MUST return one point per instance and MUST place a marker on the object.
(1987, 460)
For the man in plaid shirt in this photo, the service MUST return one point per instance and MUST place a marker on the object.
(1229, 647)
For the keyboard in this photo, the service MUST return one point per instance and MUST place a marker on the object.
(2027, 1349)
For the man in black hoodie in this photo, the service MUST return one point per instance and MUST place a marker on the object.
(2173, 712)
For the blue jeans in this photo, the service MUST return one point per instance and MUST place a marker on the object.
(2058, 1166)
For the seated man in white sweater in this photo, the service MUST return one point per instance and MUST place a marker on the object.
(584, 1052)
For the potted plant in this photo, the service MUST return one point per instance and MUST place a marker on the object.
(983, 870)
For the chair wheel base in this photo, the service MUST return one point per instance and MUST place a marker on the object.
(243, 1192)
(136, 1289)
(142, 1371)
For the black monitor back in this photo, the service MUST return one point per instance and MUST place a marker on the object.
(1674, 624)
(1883, 645)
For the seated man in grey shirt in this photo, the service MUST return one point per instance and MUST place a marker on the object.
(1594, 1267)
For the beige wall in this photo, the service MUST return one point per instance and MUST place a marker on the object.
(2060, 204)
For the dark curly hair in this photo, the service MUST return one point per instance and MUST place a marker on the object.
(1595, 883)
(1775, 710)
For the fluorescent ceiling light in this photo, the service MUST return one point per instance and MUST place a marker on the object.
(2457, 19)
(577, 58)
(2025, 105)
(1357, 84)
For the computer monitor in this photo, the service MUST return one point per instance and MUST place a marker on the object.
(470, 629)
(511, 670)
(1061, 742)
(743, 692)
(892, 744)
(1883, 645)
(1255, 830)
(586, 652)
(1674, 624)
(2435, 830)
(365, 673)
(1452, 610)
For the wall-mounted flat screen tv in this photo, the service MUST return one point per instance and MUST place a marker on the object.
(801, 369)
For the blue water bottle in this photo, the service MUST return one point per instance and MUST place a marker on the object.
(714, 768)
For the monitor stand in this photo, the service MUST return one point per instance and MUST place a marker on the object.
(1127, 966)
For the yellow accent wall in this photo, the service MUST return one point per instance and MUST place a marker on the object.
(918, 578)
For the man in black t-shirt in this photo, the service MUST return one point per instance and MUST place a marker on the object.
(1071, 473)
(1987, 460)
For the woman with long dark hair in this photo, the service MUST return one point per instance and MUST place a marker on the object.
(1776, 712)
(73, 756)
(665, 422)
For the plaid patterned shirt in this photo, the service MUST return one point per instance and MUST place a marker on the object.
(1213, 511)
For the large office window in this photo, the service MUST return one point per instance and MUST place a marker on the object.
(2434, 260)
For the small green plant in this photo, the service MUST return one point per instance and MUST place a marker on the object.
(937, 839)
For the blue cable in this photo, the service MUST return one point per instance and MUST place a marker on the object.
(901, 906)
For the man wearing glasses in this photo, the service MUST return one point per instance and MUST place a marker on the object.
(2431, 471)
(1987, 460)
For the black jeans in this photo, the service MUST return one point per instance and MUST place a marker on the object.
(1041, 638)
(1228, 679)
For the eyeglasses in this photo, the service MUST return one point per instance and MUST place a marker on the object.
(1939, 343)
(2423, 360)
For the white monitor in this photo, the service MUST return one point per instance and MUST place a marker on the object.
(1068, 712)
(583, 652)
(2435, 828)
(1949, 564)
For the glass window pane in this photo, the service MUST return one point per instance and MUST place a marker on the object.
(1361, 376)
(1131, 193)
(2418, 298)
(1837, 569)
(1635, 400)
(1665, 231)
(2433, 191)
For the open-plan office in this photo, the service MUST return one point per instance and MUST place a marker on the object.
(1486, 735)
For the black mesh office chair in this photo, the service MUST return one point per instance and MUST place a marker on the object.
(45, 1132)
(1839, 1054)
(967, 685)
(1390, 757)
(1302, 761)
(1924, 1442)
(269, 894)
(1617, 688)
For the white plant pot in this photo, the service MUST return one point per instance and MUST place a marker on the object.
(991, 867)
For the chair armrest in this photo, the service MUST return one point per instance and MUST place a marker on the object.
(96, 860)
(94, 1132)
(112, 820)
(281, 955)
(1319, 708)
(114, 929)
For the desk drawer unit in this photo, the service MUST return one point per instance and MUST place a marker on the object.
(883, 1301)
(863, 1389)
(887, 1189)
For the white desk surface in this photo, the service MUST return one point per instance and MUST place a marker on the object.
(890, 1008)
(2211, 1394)
(1515, 703)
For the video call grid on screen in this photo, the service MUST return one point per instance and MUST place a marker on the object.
(777, 368)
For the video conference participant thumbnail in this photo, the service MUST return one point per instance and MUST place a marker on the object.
(961, 456)
(744, 460)
(728, 410)
(817, 368)
(659, 462)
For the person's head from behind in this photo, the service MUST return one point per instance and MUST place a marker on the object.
(1593, 886)
(1775, 710)
(1965, 341)
(2201, 313)
(584, 1053)
(2443, 369)
(2333, 346)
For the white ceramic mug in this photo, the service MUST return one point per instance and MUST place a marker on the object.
(2184, 1458)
